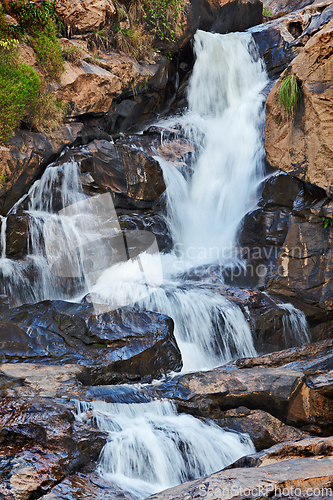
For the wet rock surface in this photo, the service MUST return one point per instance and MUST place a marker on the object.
(294, 385)
(290, 234)
(40, 440)
(134, 177)
(81, 486)
(113, 347)
(263, 429)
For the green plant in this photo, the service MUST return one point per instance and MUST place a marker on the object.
(3, 179)
(19, 89)
(39, 22)
(266, 12)
(48, 53)
(327, 222)
(95, 60)
(46, 114)
(72, 54)
(162, 17)
(289, 93)
(101, 38)
(22, 91)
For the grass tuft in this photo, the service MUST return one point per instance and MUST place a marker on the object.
(73, 54)
(289, 93)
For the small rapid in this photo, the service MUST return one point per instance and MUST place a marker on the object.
(151, 447)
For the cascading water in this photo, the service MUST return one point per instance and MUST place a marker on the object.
(224, 121)
(152, 448)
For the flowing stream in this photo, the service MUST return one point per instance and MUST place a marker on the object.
(151, 447)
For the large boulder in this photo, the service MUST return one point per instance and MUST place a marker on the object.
(304, 265)
(91, 485)
(85, 15)
(302, 144)
(296, 469)
(280, 7)
(88, 89)
(134, 177)
(294, 386)
(116, 346)
(263, 429)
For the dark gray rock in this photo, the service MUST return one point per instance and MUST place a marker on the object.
(115, 346)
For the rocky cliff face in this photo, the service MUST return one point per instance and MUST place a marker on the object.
(302, 144)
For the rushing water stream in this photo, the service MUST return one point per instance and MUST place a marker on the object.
(151, 447)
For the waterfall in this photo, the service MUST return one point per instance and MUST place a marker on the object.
(75, 245)
(206, 201)
(295, 326)
(151, 447)
(225, 122)
(3, 236)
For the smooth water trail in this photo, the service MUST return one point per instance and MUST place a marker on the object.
(295, 326)
(3, 236)
(207, 200)
(225, 122)
(152, 448)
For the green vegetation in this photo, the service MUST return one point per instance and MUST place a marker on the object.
(289, 93)
(23, 92)
(144, 27)
(266, 12)
(95, 60)
(327, 222)
(72, 54)
(38, 23)
(2, 180)
(19, 89)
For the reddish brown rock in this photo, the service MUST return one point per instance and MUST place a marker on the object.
(302, 144)
(88, 89)
(85, 15)
(263, 429)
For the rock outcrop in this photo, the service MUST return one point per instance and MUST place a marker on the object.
(281, 7)
(40, 440)
(280, 40)
(302, 144)
(290, 235)
(85, 15)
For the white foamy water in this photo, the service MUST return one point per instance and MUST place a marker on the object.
(152, 448)
(295, 326)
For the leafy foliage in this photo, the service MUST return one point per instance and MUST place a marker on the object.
(39, 22)
(266, 12)
(327, 222)
(22, 90)
(142, 28)
(289, 93)
(19, 90)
